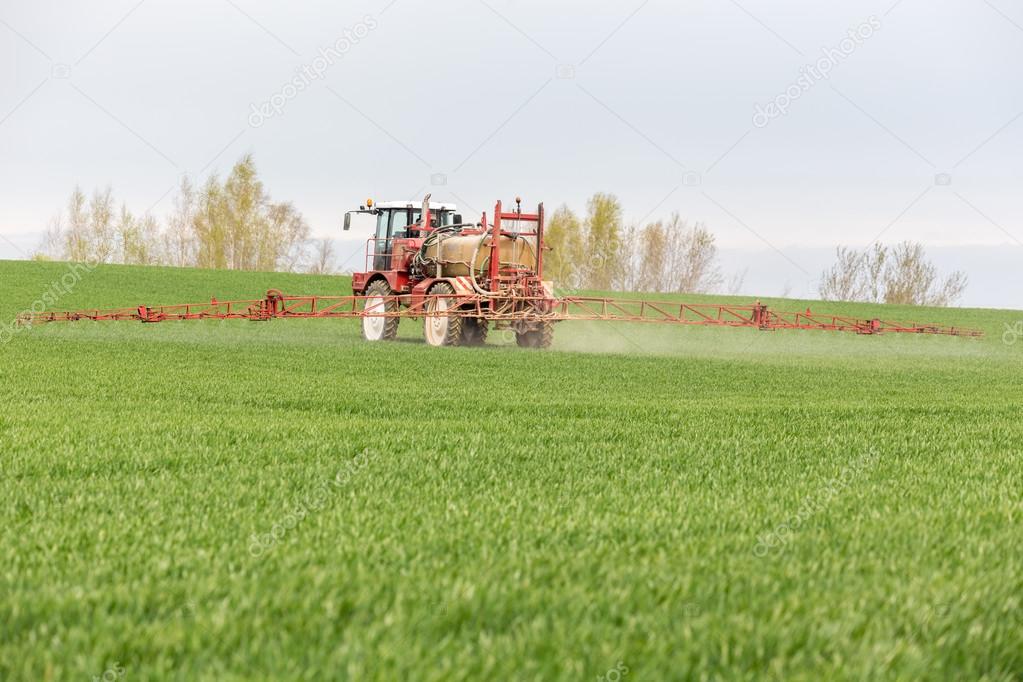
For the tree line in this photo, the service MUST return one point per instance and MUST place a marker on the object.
(598, 251)
(235, 224)
(230, 224)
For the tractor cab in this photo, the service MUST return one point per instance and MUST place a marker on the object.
(399, 220)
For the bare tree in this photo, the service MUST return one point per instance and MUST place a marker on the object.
(54, 240)
(882, 274)
(844, 281)
(736, 281)
(138, 239)
(875, 263)
(323, 258)
(950, 290)
(629, 260)
(102, 232)
(77, 237)
(283, 243)
(670, 257)
(89, 234)
(912, 279)
(856, 275)
(128, 236)
(178, 239)
(693, 258)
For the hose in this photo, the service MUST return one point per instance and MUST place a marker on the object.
(420, 261)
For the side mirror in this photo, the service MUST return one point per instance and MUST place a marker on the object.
(348, 221)
(458, 219)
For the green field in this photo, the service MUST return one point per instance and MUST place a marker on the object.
(244, 500)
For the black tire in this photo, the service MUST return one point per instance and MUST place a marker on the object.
(380, 328)
(442, 330)
(474, 331)
(545, 335)
(541, 337)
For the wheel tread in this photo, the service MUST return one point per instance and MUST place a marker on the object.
(453, 337)
(381, 288)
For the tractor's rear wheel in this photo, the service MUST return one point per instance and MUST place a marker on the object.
(474, 331)
(541, 337)
(378, 327)
(439, 328)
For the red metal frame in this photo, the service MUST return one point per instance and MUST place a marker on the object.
(506, 310)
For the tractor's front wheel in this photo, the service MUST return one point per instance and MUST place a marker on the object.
(379, 327)
(439, 328)
(541, 337)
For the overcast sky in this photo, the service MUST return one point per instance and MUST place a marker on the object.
(910, 129)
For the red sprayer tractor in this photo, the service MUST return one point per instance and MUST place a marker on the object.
(464, 279)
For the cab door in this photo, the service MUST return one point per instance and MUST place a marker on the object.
(391, 224)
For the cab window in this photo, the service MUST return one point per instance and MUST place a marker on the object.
(399, 224)
(382, 219)
(438, 218)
